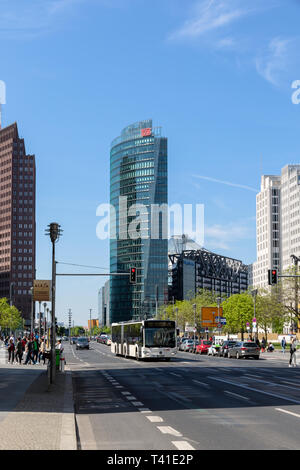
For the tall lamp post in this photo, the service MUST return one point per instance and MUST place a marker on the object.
(194, 307)
(31, 319)
(254, 294)
(54, 231)
(45, 319)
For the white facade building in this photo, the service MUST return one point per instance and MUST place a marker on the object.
(277, 223)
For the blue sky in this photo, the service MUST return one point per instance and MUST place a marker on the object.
(215, 74)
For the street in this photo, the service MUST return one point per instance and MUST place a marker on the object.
(192, 402)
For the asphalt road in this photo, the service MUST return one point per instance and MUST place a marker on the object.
(192, 402)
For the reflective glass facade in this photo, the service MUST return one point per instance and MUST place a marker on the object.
(138, 174)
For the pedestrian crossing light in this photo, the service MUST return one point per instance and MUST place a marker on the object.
(132, 275)
(273, 277)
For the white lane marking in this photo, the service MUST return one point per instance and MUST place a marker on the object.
(126, 393)
(276, 395)
(201, 383)
(169, 430)
(155, 419)
(131, 397)
(183, 445)
(119, 386)
(177, 375)
(144, 410)
(236, 395)
(137, 403)
(288, 412)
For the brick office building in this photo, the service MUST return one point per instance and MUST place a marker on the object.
(17, 220)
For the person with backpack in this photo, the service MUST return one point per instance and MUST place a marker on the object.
(293, 351)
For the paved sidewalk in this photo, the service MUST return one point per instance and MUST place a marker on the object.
(42, 419)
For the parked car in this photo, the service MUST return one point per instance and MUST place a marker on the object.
(82, 343)
(73, 340)
(226, 346)
(101, 339)
(186, 345)
(192, 348)
(214, 349)
(180, 341)
(244, 349)
(203, 346)
(108, 341)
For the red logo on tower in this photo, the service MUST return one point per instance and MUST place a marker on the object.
(146, 132)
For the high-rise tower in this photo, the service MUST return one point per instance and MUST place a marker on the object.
(138, 175)
(17, 221)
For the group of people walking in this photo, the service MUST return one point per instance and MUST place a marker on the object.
(32, 348)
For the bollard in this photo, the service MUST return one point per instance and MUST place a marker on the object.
(62, 364)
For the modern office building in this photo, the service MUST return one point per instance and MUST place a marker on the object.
(277, 223)
(17, 221)
(103, 305)
(268, 228)
(138, 175)
(194, 269)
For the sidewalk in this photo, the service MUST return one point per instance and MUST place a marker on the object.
(41, 419)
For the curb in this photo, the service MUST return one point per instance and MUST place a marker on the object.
(68, 439)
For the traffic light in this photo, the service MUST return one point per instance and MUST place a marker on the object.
(273, 277)
(132, 275)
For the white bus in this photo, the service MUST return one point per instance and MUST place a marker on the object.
(144, 339)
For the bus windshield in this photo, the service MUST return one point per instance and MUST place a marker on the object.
(160, 337)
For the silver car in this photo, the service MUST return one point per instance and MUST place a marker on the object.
(244, 349)
(186, 345)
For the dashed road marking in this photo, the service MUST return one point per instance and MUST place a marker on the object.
(236, 395)
(169, 430)
(288, 412)
(155, 419)
(183, 445)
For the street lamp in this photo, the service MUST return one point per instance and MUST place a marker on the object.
(54, 231)
(31, 319)
(254, 294)
(194, 307)
(45, 319)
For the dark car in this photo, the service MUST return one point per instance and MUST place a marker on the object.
(226, 346)
(82, 343)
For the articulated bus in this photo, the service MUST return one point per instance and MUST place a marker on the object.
(145, 339)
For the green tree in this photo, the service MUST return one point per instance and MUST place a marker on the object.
(10, 317)
(238, 311)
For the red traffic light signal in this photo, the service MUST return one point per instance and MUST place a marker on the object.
(273, 277)
(132, 275)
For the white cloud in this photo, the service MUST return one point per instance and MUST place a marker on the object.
(211, 15)
(272, 63)
(228, 235)
(227, 183)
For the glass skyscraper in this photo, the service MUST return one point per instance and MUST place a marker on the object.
(138, 175)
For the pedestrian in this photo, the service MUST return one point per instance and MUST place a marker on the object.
(19, 351)
(258, 343)
(270, 347)
(263, 344)
(293, 351)
(29, 351)
(35, 352)
(283, 345)
(11, 351)
(42, 350)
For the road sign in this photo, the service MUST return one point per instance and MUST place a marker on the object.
(41, 291)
